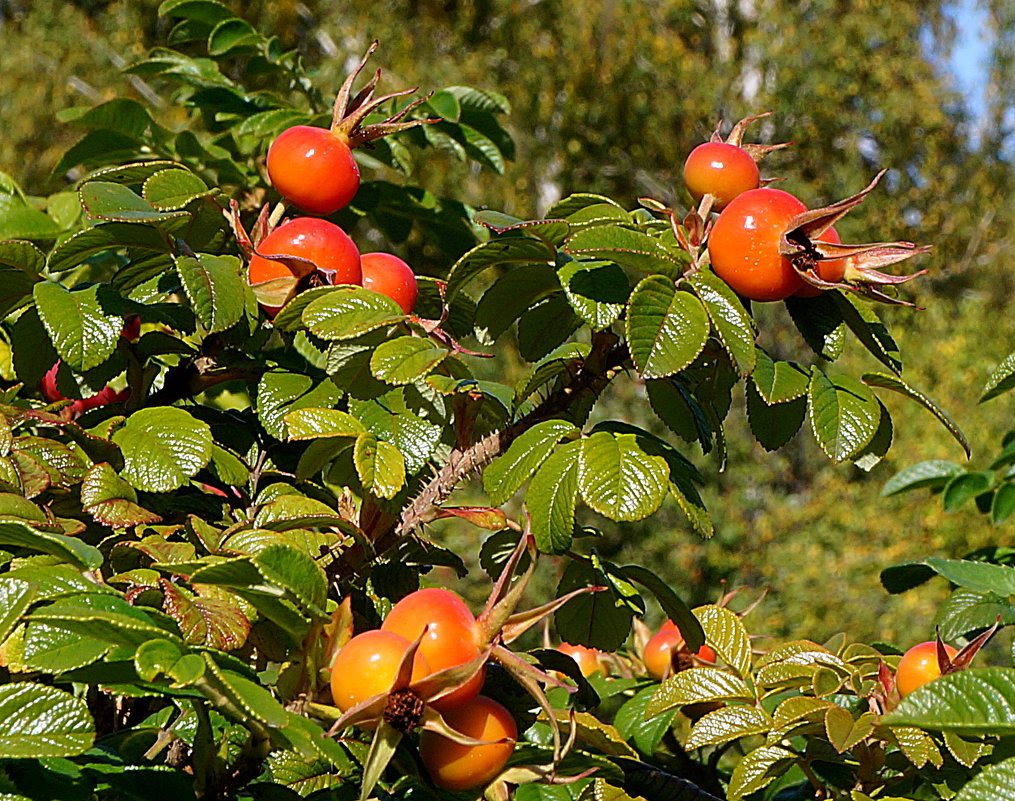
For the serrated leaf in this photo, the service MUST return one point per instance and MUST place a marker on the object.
(618, 479)
(312, 423)
(56, 650)
(296, 511)
(510, 295)
(404, 360)
(844, 415)
(165, 657)
(731, 321)
(773, 425)
(545, 326)
(17, 534)
(111, 500)
(757, 769)
(697, 685)
(779, 381)
(174, 188)
(727, 635)
(966, 752)
(896, 384)
(15, 597)
(211, 622)
(596, 290)
(965, 611)
(820, 322)
(80, 329)
(552, 496)
(598, 619)
(994, 782)
(1001, 380)
(215, 288)
(917, 746)
(507, 250)
(843, 731)
(505, 474)
(666, 328)
(379, 464)
(162, 448)
(280, 393)
(973, 702)
(977, 576)
(102, 617)
(625, 247)
(727, 723)
(647, 731)
(115, 202)
(934, 474)
(107, 236)
(349, 312)
(38, 721)
(251, 699)
(391, 420)
(869, 329)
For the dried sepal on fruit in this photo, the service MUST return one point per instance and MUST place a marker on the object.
(803, 247)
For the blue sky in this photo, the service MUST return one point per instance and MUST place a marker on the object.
(968, 63)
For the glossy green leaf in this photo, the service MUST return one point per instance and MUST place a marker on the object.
(296, 511)
(552, 496)
(505, 474)
(403, 360)
(232, 35)
(58, 649)
(618, 479)
(215, 287)
(39, 721)
(503, 251)
(16, 534)
(844, 415)
(978, 576)
(697, 685)
(728, 723)
(511, 294)
(162, 448)
(965, 611)
(312, 423)
(597, 291)
(545, 325)
(107, 236)
(82, 332)
(896, 384)
(175, 188)
(391, 419)
(1001, 380)
(210, 622)
(859, 315)
(111, 500)
(779, 381)
(933, 474)
(379, 464)
(349, 312)
(732, 323)
(102, 617)
(114, 202)
(15, 597)
(974, 702)
(992, 783)
(627, 248)
(646, 731)
(597, 619)
(757, 770)
(965, 487)
(726, 633)
(820, 322)
(280, 393)
(1003, 505)
(666, 328)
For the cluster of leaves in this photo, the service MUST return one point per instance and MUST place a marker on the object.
(179, 554)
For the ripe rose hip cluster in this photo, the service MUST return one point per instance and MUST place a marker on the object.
(314, 170)
(765, 243)
(439, 634)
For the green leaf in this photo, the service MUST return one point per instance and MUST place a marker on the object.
(779, 381)
(596, 290)
(974, 702)
(698, 685)
(728, 723)
(165, 657)
(505, 474)
(934, 474)
(15, 534)
(111, 500)
(774, 425)
(511, 294)
(666, 328)
(296, 511)
(552, 496)
(965, 487)
(673, 605)
(280, 393)
(391, 419)
(507, 250)
(103, 617)
(627, 248)
(1001, 380)
(726, 633)
(38, 721)
(379, 465)
(844, 415)
(56, 650)
(992, 783)
(545, 326)
(162, 448)
(732, 323)
(15, 597)
(403, 360)
(820, 322)
(757, 770)
(215, 288)
(977, 576)
(646, 731)
(82, 332)
(349, 312)
(175, 188)
(23, 256)
(114, 202)
(896, 384)
(210, 622)
(597, 619)
(1003, 505)
(297, 573)
(250, 700)
(618, 479)
(312, 423)
(122, 115)
(107, 236)
(869, 329)
(965, 611)
(231, 35)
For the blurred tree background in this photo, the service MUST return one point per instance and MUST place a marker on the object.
(610, 99)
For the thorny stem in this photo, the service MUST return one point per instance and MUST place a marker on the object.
(607, 356)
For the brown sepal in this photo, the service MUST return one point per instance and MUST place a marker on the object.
(962, 659)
